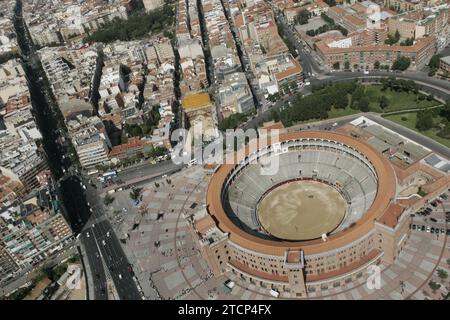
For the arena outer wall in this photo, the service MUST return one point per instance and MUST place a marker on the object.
(296, 268)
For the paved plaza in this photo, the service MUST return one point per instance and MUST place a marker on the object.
(168, 265)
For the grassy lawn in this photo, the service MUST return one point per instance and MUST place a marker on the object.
(336, 113)
(397, 100)
(409, 120)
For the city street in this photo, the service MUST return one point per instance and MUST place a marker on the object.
(105, 254)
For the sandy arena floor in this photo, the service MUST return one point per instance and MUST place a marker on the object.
(301, 210)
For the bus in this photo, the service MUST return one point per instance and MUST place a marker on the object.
(92, 172)
(110, 175)
(107, 176)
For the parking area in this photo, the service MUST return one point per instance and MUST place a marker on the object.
(433, 217)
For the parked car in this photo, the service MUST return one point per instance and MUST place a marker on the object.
(229, 284)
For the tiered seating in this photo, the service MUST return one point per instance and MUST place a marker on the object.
(352, 177)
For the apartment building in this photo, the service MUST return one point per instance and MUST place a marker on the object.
(90, 140)
(234, 95)
(426, 21)
(365, 56)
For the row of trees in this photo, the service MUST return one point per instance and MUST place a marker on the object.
(136, 26)
(352, 94)
(319, 103)
(402, 63)
(407, 42)
(392, 39)
(302, 17)
(286, 40)
(434, 64)
(395, 84)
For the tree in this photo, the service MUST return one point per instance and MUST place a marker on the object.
(302, 17)
(434, 286)
(424, 121)
(341, 101)
(137, 131)
(402, 63)
(274, 115)
(363, 104)
(391, 40)
(357, 96)
(384, 102)
(435, 61)
(442, 274)
(347, 65)
(336, 65)
(107, 200)
(135, 194)
(376, 65)
(407, 42)
(136, 26)
(232, 121)
(445, 112)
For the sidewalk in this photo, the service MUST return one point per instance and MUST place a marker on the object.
(90, 295)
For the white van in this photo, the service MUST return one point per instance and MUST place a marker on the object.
(192, 162)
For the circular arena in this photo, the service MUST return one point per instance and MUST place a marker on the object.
(322, 200)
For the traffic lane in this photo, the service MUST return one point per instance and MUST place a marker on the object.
(122, 277)
(415, 75)
(112, 253)
(278, 105)
(74, 200)
(116, 262)
(95, 265)
(146, 170)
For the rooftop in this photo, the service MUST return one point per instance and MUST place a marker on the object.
(195, 101)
